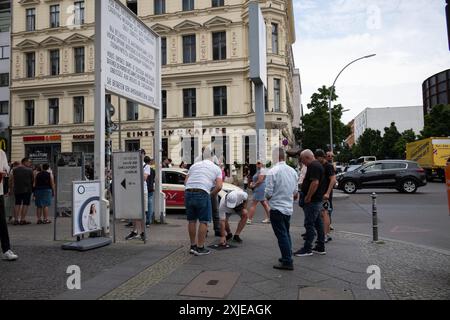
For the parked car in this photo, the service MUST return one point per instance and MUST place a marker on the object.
(405, 176)
(173, 187)
(362, 160)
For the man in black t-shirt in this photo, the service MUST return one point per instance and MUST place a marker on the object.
(312, 195)
(329, 183)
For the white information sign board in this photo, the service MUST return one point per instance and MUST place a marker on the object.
(128, 185)
(131, 63)
(86, 207)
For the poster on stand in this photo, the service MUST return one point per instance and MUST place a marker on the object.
(86, 207)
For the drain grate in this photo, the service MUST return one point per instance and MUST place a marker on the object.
(211, 284)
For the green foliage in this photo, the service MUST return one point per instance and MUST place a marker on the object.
(345, 155)
(391, 146)
(316, 128)
(437, 123)
(291, 163)
(368, 144)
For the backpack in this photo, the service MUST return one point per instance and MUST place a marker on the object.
(151, 180)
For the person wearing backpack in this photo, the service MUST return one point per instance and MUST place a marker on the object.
(150, 173)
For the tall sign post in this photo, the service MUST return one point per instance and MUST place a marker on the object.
(127, 64)
(258, 72)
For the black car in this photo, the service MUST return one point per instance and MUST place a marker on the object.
(405, 176)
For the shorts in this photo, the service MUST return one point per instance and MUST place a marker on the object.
(198, 206)
(23, 198)
(43, 198)
(224, 215)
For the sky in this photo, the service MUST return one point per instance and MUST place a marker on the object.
(409, 38)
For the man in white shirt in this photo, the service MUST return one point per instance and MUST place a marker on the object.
(7, 254)
(203, 181)
(234, 202)
(281, 191)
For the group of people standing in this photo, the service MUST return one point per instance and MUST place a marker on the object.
(276, 189)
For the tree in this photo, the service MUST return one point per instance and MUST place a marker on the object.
(368, 144)
(345, 155)
(437, 123)
(400, 146)
(316, 131)
(390, 138)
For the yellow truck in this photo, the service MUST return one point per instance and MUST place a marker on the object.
(431, 154)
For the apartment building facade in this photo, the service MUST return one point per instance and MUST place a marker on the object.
(205, 78)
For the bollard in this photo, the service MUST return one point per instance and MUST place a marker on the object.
(374, 217)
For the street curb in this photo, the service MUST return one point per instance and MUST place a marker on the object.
(441, 251)
(340, 196)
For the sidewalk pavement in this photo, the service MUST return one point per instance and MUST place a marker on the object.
(164, 269)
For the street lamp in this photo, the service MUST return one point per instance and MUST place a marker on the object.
(331, 95)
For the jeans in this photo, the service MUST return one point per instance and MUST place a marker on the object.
(150, 210)
(198, 206)
(313, 223)
(4, 237)
(280, 225)
(215, 213)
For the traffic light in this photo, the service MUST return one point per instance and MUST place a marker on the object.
(109, 113)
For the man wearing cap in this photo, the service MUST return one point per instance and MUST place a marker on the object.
(234, 202)
(203, 181)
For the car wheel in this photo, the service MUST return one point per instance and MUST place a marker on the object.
(409, 186)
(349, 187)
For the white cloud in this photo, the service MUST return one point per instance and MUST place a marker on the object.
(410, 42)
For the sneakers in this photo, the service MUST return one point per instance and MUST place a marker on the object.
(249, 221)
(320, 251)
(193, 249)
(202, 251)
(331, 228)
(142, 236)
(10, 256)
(266, 221)
(282, 266)
(237, 239)
(328, 239)
(132, 235)
(229, 236)
(303, 253)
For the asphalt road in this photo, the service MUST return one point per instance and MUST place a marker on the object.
(421, 218)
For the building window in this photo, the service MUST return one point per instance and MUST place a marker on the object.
(189, 149)
(54, 16)
(53, 111)
(4, 79)
(4, 52)
(219, 45)
(220, 101)
(29, 113)
(274, 38)
(163, 51)
(165, 147)
(132, 111)
(132, 145)
(31, 19)
(133, 6)
(54, 62)
(266, 101)
(160, 6)
(4, 107)
(164, 104)
(188, 5)
(217, 3)
(78, 109)
(31, 64)
(189, 103)
(276, 95)
(79, 12)
(79, 60)
(189, 49)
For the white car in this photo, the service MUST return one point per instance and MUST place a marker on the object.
(173, 187)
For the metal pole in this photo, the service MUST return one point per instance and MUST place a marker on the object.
(374, 217)
(157, 138)
(99, 144)
(331, 119)
(120, 125)
(260, 123)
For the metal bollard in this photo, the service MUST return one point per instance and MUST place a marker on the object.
(374, 217)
